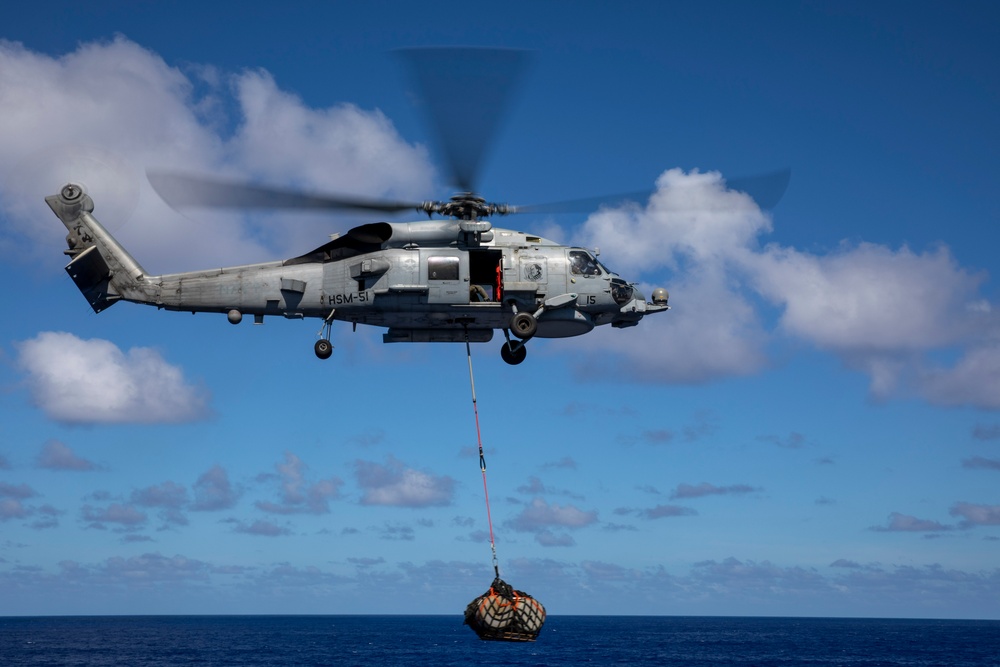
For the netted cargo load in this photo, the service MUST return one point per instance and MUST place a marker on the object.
(505, 614)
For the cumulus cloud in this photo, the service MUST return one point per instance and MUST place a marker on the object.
(751, 587)
(281, 138)
(297, 494)
(535, 487)
(666, 511)
(976, 515)
(397, 532)
(565, 463)
(18, 492)
(973, 380)
(56, 455)
(883, 311)
(706, 489)
(397, 485)
(260, 527)
(213, 491)
(910, 524)
(170, 498)
(124, 516)
(105, 112)
(986, 432)
(981, 463)
(12, 506)
(540, 518)
(90, 381)
(167, 494)
(540, 514)
(867, 298)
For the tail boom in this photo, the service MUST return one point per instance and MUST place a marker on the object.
(102, 269)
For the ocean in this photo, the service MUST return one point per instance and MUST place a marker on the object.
(376, 641)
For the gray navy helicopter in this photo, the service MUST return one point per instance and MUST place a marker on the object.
(431, 281)
(452, 279)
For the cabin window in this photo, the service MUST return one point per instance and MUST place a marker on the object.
(582, 263)
(442, 268)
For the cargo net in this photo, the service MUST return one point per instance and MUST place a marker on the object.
(504, 614)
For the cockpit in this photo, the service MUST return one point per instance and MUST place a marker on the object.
(582, 263)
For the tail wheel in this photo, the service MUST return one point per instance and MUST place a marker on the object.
(323, 348)
(513, 352)
(524, 325)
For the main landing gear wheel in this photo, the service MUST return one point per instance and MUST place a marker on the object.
(524, 325)
(323, 348)
(513, 352)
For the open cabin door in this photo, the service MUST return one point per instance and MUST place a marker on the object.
(486, 276)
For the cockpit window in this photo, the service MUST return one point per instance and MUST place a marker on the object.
(582, 263)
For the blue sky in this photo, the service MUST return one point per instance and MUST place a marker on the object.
(812, 430)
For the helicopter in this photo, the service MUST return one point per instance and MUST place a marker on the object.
(455, 278)
(451, 280)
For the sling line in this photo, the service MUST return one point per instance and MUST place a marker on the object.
(482, 458)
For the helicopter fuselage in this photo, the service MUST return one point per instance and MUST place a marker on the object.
(430, 281)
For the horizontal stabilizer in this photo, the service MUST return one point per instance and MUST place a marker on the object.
(93, 277)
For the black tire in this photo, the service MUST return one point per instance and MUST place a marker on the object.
(323, 348)
(524, 325)
(513, 352)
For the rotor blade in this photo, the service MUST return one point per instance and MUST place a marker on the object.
(765, 189)
(186, 190)
(465, 92)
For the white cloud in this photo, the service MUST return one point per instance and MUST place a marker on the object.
(540, 515)
(712, 332)
(125, 516)
(706, 489)
(906, 523)
(104, 113)
(297, 493)
(282, 139)
(883, 311)
(666, 511)
(867, 297)
(540, 518)
(213, 491)
(977, 515)
(973, 380)
(396, 485)
(56, 455)
(691, 216)
(92, 381)
(261, 527)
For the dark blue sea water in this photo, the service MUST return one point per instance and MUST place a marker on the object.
(376, 641)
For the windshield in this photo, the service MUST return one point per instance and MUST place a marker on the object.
(582, 263)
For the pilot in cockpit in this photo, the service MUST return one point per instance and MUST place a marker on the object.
(582, 263)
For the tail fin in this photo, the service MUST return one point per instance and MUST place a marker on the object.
(101, 268)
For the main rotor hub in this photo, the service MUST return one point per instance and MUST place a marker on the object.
(466, 206)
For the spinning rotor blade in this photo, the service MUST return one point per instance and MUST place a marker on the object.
(466, 92)
(184, 190)
(765, 189)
